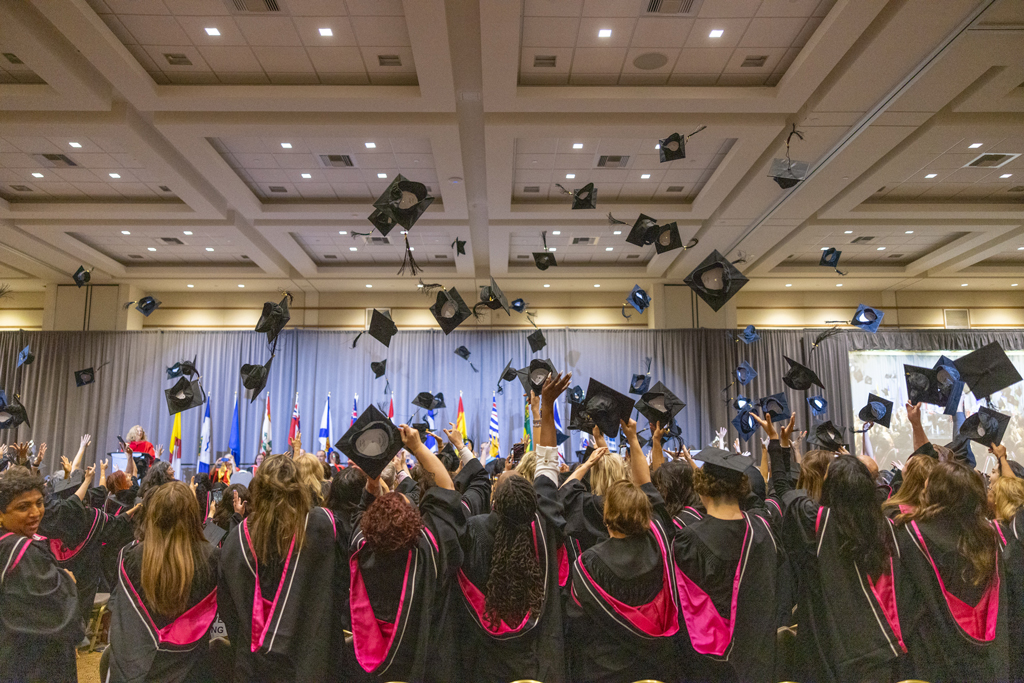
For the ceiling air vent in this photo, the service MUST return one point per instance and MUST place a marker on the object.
(377, 241)
(584, 240)
(523, 256)
(674, 7)
(862, 240)
(1016, 188)
(245, 257)
(536, 188)
(991, 160)
(21, 188)
(256, 5)
(335, 160)
(177, 59)
(754, 61)
(134, 255)
(165, 188)
(441, 256)
(55, 160)
(606, 161)
(674, 188)
(330, 256)
(544, 61)
(632, 256)
(171, 240)
(278, 188)
(12, 58)
(389, 60)
(957, 318)
(895, 256)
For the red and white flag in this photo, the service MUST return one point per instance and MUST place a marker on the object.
(391, 408)
(294, 427)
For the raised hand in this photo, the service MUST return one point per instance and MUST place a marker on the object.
(66, 465)
(998, 451)
(159, 452)
(42, 452)
(410, 438)
(535, 403)
(736, 445)
(913, 413)
(786, 437)
(192, 485)
(237, 503)
(554, 385)
(628, 429)
(454, 436)
(103, 467)
(766, 425)
(597, 455)
(89, 471)
(657, 432)
(86, 440)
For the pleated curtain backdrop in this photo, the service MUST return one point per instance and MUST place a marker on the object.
(698, 365)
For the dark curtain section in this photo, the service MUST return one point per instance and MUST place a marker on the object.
(695, 364)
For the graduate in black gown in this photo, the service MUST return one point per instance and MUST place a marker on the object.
(39, 620)
(582, 496)
(166, 594)
(954, 605)
(726, 572)
(508, 606)
(470, 477)
(622, 610)
(844, 554)
(403, 560)
(277, 579)
(1006, 494)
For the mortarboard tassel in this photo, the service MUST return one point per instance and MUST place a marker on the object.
(430, 288)
(356, 340)
(474, 367)
(831, 332)
(414, 268)
(612, 220)
(564, 191)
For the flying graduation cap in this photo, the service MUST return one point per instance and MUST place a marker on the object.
(82, 276)
(464, 353)
(12, 414)
(674, 146)
(830, 259)
(535, 374)
(273, 318)
(745, 424)
(460, 247)
(254, 378)
(749, 335)
(644, 231)
(537, 341)
(715, 280)
(382, 222)
(494, 298)
(638, 299)
(818, 405)
(379, 367)
(800, 377)
(404, 201)
(786, 172)
(987, 370)
(775, 407)
(867, 318)
(429, 401)
(371, 442)
(382, 327)
(184, 367)
(878, 411)
(507, 375)
(449, 310)
(986, 426)
(184, 395)
(745, 373)
(925, 386)
(26, 357)
(519, 305)
(145, 305)
(606, 407)
(575, 395)
(84, 377)
(639, 384)
(659, 405)
(583, 198)
(829, 436)
(742, 403)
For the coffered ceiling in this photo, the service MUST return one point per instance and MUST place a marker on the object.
(222, 141)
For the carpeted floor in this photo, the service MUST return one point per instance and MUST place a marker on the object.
(89, 667)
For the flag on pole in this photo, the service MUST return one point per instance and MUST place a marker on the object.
(174, 452)
(235, 440)
(294, 427)
(205, 460)
(528, 427)
(266, 442)
(460, 419)
(430, 442)
(558, 427)
(355, 410)
(326, 435)
(494, 431)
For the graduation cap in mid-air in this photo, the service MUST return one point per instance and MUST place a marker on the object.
(638, 299)
(671, 148)
(575, 395)
(184, 395)
(818, 405)
(986, 426)
(518, 305)
(745, 373)
(786, 172)
(460, 247)
(775, 407)
(12, 413)
(254, 378)
(184, 367)
(82, 276)
(544, 260)
(644, 231)
(745, 424)
(535, 374)
(583, 198)
(371, 442)
(829, 436)
(800, 377)
(878, 411)
(145, 305)
(462, 352)
(382, 221)
(667, 238)
(26, 357)
(715, 280)
(404, 201)
(273, 318)
(84, 377)
(987, 370)
(537, 341)
(830, 259)
(867, 318)
(429, 401)
(951, 386)
(494, 297)
(749, 335)
(639, 384)
(925, 386)
(724, 464)
(507, 375)
(580, 419)
(607, 407)
(449, 310)
(659, 404)
(379, 367)
(742, 403)
(382, 327)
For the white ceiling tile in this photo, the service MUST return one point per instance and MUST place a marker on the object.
(599, 176)
(671, 56)
(552, 8)
(250, 161)
(376, 161)
(157, 52)
(411, 145)
(536, 145)
(638, 190)
(774, 54)
(549, 32)
(613, 8)
(389, 31)
(187, 8)
(562, 55)
(196, 27)
(729, 8)
(772, 32)
(591, 60)
(230, 59)
(661, 32)
(351, 190)
(371, 59)
(787, 8)
(375, 7)
(622, 32)
(619, 146)
(571, 161)
(283, 59)
(342, 176)
(700, 33)
(316, 8)
(268, 30)
(309, 31)
(305, 161)
(75, 175)
(118, 29)
(702, 61)
(137, 6)
(682, 177)
(337, 59)
(535, 161)
(155, 30)
(531, 177)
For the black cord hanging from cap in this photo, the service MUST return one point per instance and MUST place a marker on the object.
(414, 268)
(356, 340)
(799, 134)
(612, 220)
(564, 191)
(429, 288)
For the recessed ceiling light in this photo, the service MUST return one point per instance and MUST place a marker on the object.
(577, 145)
(546, 286)
(241, 286)
(551, 249)
(932, 175)
(353, 249)
(881, 249)
(152, 248)
(188, 232)
(37, 175)
(115, 175)
(286, 145)
(126, 232)
(975, 145)
(789, 285)
(190, 286)
(1014, 284)
(908, 232)
(609, 248)
(209, 249)
(604, 33)
(307, 176)
(597, 285)
(964, 284)
(382, 175)
(839, 285)
(556, 232)
(326, 32)
(716, 33)
(211, 31)
(371, 145)
(369, 286)
(343, 232)
(1006, 175)
(617, 232)
(824, 248)
(76, 145)
(645, 176)
(420, 286)
(570, 176)
(657, 146)
(847, 232)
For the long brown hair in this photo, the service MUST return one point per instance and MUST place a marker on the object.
(172, 547)
(312, 473)
(813, 467)
(1007, 497)
(280, 503)
(915, 474)
(955, 495)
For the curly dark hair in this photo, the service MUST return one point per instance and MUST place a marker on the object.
(674, 481)
(707, 485)
(346, 491)
(16, 481)
(515, 585)
(158, 475)
(222, 512)
(391, 523)
(864, 536)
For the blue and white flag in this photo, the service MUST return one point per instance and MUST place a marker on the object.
(493, 432)
(235, 440)
(205, 461)
(326, 435)
(558, 427)
(430, 441)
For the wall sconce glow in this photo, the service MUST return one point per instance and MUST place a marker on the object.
(371, 145)
(570, 176)
(556, 232)
(286, 145)
(211, 31)
(307, 176)
(577, 145)
(716, 33)
(551, 249)
(847, 232)
(115, 176)
(382, 175)
(604, 33)
(964, 284)
(326, 32)
(76, 145)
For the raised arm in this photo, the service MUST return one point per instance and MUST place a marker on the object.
(547, 442)
(914, 417)
(130, 469)
(766, 470)
(538, 424)
(86, 483)
(77, 462)
(657, 451)
(637, 462)
(103, 472)
(599, 441)
(426, 459)
(1004, 463)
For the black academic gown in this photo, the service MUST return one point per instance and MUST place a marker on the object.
(848, 625)
(584, 518)
(622, 609)
(148, 646)
(1011, 536)
(39, 621)
(534, 648)
(280, 615)
(474, 484)
(955, 631)
(401, 630)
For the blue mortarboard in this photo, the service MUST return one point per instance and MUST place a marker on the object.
(830, 257)
(818, 405)
(26, 356)
(640, 384)
(745, 424)
(950, 384)
(518, 305)
(742, 403)
(576, 394)
(749, 335)
(775, 407)
(986, 426)
(745, 373)
(638, 299)
(867, 318)
(878, 410)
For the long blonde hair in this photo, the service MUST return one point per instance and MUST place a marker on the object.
(311, 472)
(1007, 497)
(280, 503)
(606, 471)
(527, 466)
(915, 476)
(171, 547)
(136, 433)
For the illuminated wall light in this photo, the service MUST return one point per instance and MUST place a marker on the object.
(557, 232)
(847, 232)
(546, 286)
(880, 249)
(789, 285)
(597, 285)
(839, 285)
(1014, 284)
(1006, 175)
(908, 232)
(369, 286)
(353, 249)
(964, 284)
(241, 286)
(609, 248)
(617, 232)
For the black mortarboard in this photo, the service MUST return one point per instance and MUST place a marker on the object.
(462, 352)
(428, 401)
(460, 247)
(274, 318)
(666, 238)
(174, 371)
(878, 410)
(749, 335)
(987, 370)
(422, 428)
(26, 357)
(450, 310)
(537, 341)
(924, 385)
(724, 464)
(671, 148)
(607, 407)
(742, 403)
(383, 222)
(12, 414)
(382, 327)
(575, 394)
(745, 373)
(214, 533)
(830, 257)
(82, 276)
(659, 405)
(638, 299)
(580, 419)
(775, 407)
(84, 377)
(184, 367)
(829, 436)
(643, 232)
(787, 172)
(254, 378)
(184, 395)
(715, 280)
(147, 305)
(404, 201)
(371, 442)
(986, 426)
(518, 306)
(379, 367)
(544, 260)
(585, 197)
(800, 377)
(818, 405)
(66, 486)
(867, 318)
(643, 441)
(533, 376)
(494, 297)
(745, 424)
(508, 374)
(639, 384)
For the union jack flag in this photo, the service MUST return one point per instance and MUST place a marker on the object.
(355, 410)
